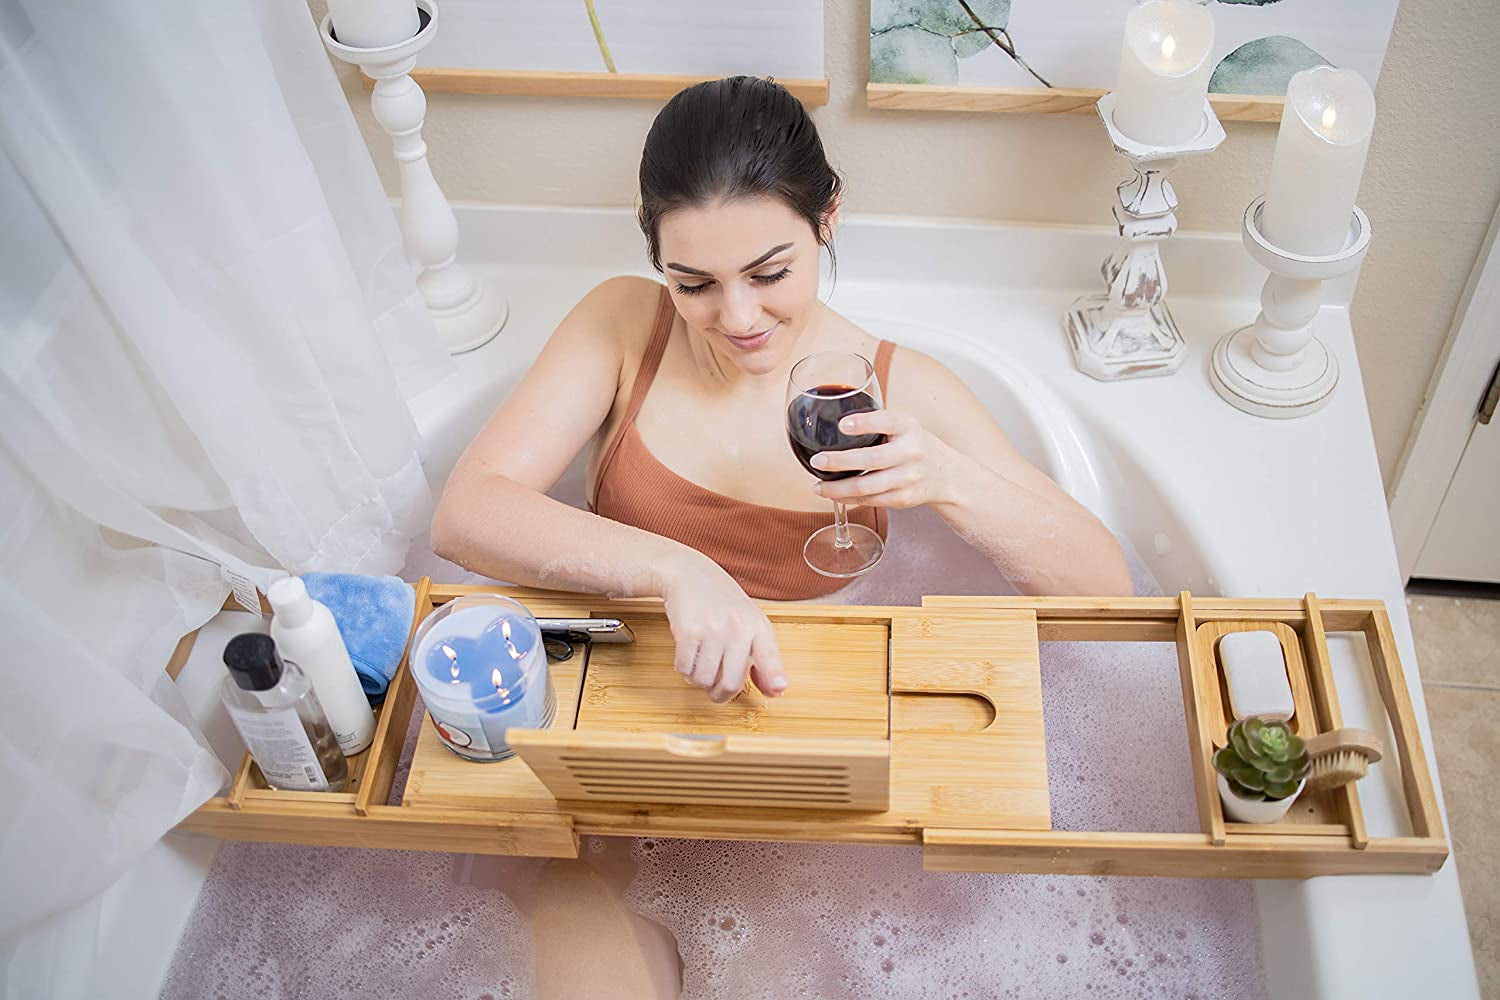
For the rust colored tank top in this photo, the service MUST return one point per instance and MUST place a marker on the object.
(761, 547)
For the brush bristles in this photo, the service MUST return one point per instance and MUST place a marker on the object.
(1336, 769)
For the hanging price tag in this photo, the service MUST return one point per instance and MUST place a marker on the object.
(245, 594)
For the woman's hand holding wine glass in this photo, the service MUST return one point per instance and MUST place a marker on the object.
(912, 466)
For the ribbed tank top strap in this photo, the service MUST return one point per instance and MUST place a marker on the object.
(650, 363)
(883, 355)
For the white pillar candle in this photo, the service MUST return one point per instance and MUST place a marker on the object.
(1320, 155)
(1164, 71)
(373, 24)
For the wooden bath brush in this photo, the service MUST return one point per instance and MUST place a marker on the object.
(1340, 756)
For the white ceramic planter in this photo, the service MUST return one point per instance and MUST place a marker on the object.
(1263, 811)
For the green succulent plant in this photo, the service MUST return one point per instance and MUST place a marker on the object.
(1263, 759)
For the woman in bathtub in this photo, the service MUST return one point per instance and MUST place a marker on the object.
(679, 390)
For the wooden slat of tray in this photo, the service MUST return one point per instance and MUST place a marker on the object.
(738, 770)
(838, 686)
(1183, 855)
(1338, 615)
(1416, 777)
(1330, 717)
(329, 824)
(1191, 668)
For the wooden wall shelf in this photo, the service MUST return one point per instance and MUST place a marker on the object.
(1045, 101)
(620, 86)
(919, 725)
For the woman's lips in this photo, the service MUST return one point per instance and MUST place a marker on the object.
(752, 342)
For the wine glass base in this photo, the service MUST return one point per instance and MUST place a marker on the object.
(842, 563)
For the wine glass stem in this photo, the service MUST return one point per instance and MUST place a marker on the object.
(841, 538)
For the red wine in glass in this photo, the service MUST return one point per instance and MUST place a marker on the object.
(823, 389)
(812, 422)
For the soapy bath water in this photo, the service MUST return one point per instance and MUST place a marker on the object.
(766, 919)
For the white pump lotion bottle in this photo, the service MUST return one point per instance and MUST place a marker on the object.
(307, 635)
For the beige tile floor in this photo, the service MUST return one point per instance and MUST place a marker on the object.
(1458, 648)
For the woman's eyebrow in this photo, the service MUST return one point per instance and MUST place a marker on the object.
(757, 262)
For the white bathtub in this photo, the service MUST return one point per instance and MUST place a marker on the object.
(1212, 500)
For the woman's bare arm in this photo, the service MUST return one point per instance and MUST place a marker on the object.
(1043, 539)
(495, 517)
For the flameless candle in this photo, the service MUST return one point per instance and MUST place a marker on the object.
(482, 670)
(1164, 71)
(1320, 155)
(373, 24)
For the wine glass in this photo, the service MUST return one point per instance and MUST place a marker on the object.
(821, 391)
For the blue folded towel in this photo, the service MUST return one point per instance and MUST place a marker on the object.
(374, 616)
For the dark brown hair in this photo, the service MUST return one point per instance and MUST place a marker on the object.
(739, 137)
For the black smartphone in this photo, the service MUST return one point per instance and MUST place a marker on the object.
(586, 629)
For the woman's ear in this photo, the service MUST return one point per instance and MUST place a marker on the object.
(831, 217)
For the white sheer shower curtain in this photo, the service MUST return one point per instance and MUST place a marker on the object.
(208, 334)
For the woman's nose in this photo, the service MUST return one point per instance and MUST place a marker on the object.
(739, 312)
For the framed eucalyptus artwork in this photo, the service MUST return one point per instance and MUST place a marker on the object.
(1060, 56)
(645, 49)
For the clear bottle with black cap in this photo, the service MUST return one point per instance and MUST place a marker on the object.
(277, 713)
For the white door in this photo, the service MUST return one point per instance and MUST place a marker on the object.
(1464, 543)
(1445, 503)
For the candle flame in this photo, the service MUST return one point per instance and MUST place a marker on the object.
(453, 658)
(1168, 46)
(515, 654)
(499, 683)
(1330, 115)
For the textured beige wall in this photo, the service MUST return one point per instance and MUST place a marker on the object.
(1430, 188)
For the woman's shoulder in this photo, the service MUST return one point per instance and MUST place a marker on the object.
(625, 290)
(622, 308)
(922, 371)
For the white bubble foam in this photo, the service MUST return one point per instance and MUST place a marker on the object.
(278, 920)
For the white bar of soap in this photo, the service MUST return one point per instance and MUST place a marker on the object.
(1255, 670)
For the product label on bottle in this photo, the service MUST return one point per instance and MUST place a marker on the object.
(348, 741)
(280, 746)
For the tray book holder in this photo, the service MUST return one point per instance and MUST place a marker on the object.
(918, 725)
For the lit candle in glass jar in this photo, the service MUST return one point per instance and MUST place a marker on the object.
(1164, 71)
(1320, 156)
(481, 667)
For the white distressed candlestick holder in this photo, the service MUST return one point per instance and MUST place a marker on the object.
(1128, 331)
(467, 311)
(1277, 367)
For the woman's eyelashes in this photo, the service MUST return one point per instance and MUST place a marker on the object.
(763, 279)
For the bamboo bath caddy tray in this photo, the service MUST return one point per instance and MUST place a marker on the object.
(916, 725)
